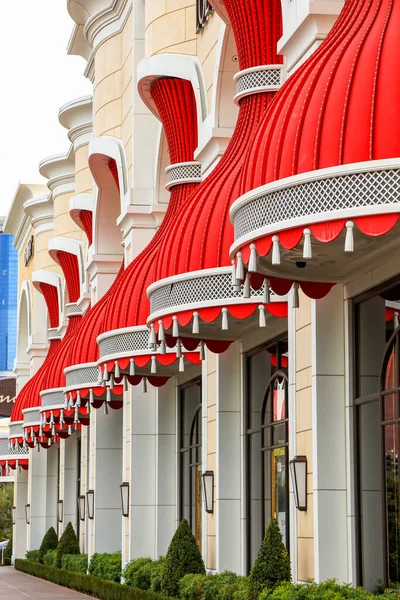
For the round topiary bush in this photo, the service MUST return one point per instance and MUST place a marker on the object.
(272, 565)
(183, 557)
(49, 542)
(68, 544)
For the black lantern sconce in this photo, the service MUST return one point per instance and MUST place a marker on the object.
(208, 491)
(298, 472)
(60, 511)
(90, 504)
(124, 487)
(28, 514)
(81, 507)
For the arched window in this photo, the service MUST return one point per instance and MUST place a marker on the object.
(190, 447)
(267, 438)
(377, 397)
(390, 422)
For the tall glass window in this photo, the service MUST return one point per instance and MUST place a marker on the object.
(190, 446)
(377, 393)
(267, 439)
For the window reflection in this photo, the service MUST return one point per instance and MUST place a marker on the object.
(267, 443)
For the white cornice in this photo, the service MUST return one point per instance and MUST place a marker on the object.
(95, 22)
(77, 117)
(40, 210)
(78, 45)
(17, 221)
(59, 169)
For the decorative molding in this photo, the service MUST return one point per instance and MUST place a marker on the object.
(17, 221)
(343, 192)
(59, 169)
(77, 117)
(181, 173)
(40, 210)
(172, 65)
(265, 78)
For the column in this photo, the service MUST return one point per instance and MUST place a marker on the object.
(228, 471)
(52, 486)
(329, 437)
(20, 527)
(41, 515)
(166, 465)
(70, 476)
(301, 443)
(142, 481)
(106, 474)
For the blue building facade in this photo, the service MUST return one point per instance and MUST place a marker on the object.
(8, 301)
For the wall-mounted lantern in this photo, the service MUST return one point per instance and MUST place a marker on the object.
(81, 507)
(208, 491)
(90, 503)
(298, 472)
(14, 514)
(124, 487)
(28, 513)
(60, 511)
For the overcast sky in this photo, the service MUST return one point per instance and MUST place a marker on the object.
(37, 77)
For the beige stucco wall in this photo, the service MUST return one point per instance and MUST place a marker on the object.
(83, 176)
(171, 27)
(64, 226)
(305, 526)
(113, 89)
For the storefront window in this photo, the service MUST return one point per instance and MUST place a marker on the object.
(377, 352)
(190, 445)
(267, 444)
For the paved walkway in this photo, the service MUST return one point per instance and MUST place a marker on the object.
(15, 585)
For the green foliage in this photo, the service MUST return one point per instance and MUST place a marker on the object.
(6, 504)
(77, 563)
(92, 586)
(68, 544)
(156, 574)
(32, 555)
(137, 573)
(8, 552)
(106, 566)
(183, 557)
(192, 586)
(50, 558)
(49, 542)
(272, 565)
(329, 590)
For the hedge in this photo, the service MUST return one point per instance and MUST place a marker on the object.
(93, 586)
(106, 566)
(77, 563)
(50, 558)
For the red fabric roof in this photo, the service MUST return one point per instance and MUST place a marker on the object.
(202, 233)
(175, 101)
(30, 388)
(50, 294)
(341, 106)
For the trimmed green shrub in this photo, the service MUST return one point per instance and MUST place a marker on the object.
(183, 557)
(103, 590)
(77, 563)
(192, 586)
(106, 566)
(32, 555)
(156, 574)
(50, 558)
(8, 552)
(272, 565)
(137, 573)
(68, 544)
(329, 590)
(49, 542)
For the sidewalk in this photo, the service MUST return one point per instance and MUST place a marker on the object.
(18, 586)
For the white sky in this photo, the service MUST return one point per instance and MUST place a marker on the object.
(37, 78)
